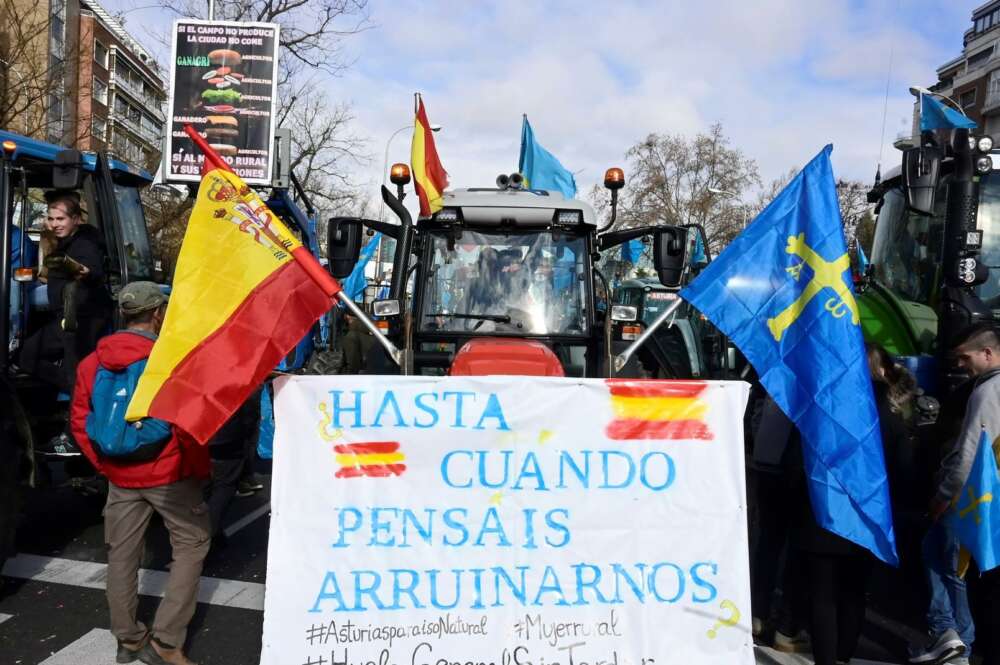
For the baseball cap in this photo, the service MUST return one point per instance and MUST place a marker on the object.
(140, 297)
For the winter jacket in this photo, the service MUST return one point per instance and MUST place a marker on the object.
(87, 247)
(982, 412)
(181, 458)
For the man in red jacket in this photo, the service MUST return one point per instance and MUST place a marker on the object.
(170, 484)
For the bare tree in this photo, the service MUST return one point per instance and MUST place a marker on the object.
(671, 178)
(30, 76)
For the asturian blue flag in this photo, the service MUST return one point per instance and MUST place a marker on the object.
(975, 515)
(935, 115)
(541, 170)
(862, 259)
(355, 283)
(631, 250)
(782, 292)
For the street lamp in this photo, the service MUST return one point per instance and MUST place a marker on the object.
(381, 209)
(731, 195)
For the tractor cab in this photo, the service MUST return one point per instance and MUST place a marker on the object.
(109, 194)
(500, 280)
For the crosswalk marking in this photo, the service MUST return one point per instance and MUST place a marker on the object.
(98, 647)
(92, 575)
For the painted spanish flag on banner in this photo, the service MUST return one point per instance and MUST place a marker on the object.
(245, 292)
(429, 177)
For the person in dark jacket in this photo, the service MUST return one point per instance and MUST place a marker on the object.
(836, 570)
(79, 303)
(170, 485)
(357, 343)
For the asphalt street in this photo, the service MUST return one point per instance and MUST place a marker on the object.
(53, 610)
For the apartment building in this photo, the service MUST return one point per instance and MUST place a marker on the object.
(972, 79)
(104, 91)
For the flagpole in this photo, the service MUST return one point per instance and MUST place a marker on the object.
(622, 358)
(306, 261)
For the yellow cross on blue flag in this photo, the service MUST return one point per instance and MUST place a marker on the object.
(975, 512)
(791, 311)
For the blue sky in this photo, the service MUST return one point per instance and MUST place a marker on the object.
(784, 77)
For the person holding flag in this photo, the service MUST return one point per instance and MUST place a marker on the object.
(966, 508)
(248, 291)
(792, 313)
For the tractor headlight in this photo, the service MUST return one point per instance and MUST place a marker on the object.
(985, 143)
(984, 164)
(624, 313)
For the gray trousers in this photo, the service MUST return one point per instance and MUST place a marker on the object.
(126, 517)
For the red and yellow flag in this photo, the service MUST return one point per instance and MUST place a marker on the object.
(429, 177)
(657, 410)
(245, 292)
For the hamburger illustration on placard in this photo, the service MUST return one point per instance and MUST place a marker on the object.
(221, 98)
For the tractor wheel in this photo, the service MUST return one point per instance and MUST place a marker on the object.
(674, 361)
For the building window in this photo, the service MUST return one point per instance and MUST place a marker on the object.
(100, 54)
(99, 128)
(968, 98)
(100, 91)
(980, 58)
(55, 118)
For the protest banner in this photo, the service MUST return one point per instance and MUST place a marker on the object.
(224, 82)
(507, 521)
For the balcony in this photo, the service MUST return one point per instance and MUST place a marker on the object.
(136, 129)
(991, 105)
(136, 94)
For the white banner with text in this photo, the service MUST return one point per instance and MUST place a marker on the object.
(507, 521)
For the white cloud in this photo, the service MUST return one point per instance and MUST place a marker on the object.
(784, 77)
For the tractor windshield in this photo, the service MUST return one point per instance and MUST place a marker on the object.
(908, 247)
(989, 221)
(508, 283)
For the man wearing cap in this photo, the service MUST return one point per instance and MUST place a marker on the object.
(170, 484)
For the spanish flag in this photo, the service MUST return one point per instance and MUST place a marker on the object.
(245, 292)
(671, 410)
(429, 177)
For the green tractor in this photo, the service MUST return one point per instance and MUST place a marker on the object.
(935, 258)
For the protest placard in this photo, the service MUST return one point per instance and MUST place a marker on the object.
(224, 82)
(507, 521)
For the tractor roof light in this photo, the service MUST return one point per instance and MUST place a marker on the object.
(568, 217)
(984, 164)
(985, 143)
(447, 216)
(399, 174)
(614, 178)
(9, 147)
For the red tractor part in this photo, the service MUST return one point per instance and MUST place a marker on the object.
(505, 356)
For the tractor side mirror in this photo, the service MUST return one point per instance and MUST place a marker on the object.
(343, 245)
(669, 252)
(921, 174)
(67, 172)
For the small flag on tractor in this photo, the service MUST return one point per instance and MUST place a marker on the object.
(245, 291)
(429, 177)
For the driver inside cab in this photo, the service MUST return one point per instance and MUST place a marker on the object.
(79, 302)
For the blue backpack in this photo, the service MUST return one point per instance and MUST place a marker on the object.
(111, 435)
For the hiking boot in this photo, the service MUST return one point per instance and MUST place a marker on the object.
(938, 648)
(957, 660)
(798, 643)
(154, 653)
(59, 446)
